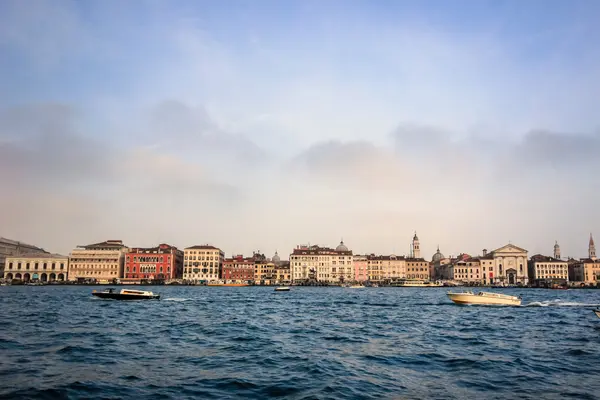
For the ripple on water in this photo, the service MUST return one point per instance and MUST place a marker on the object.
(313, 343)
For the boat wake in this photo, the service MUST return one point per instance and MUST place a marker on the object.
(176, 299)
(559, 303)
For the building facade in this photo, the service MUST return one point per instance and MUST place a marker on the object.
(163, 262)
(587, 272)
(41, 267)
(322, 264)
(547, 270)
(283, 274)
(468, 271)
(386, 268)
(102, 262)
(417, 269)
(202, 263)
(360, 268)
(238, 269)
(506, 265)
(10, 247)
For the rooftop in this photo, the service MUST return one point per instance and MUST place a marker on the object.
(202, 247)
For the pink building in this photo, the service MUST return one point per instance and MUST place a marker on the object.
(360, 268)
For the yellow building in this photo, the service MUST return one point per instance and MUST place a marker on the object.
(417, 269)
(385, 268)
(202, 263)
(102, 262)
(282, 273)
(33, 267)
(264, 272)
(587, 271)
(322, 264)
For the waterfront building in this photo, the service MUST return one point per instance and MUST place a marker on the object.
(544, 270)
(507, 264)
(264, 270)
(436, 266)
(587, 271)
(283, 273)
(468, 271)
(102, 262)
(202, 263)
(43, 267)
(360, 268)
(446, 271)
(164, 262)
(322, 264)
(417, 268)
(386, 268)
(238, 269)
(9, 247)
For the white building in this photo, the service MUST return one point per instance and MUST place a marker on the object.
(507, 264)
(548, 269)
(322, 264)
(42, 267)
(202, 263)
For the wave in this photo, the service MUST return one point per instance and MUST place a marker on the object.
(560, 303)
(177, 299)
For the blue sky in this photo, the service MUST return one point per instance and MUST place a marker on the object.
(296, 96)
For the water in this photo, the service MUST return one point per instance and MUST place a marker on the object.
(309, 343)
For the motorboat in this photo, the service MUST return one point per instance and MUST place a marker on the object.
(126, 294)
(416, 283)
(356, 287)
(282, 289)
(488, 298)
(597, 312)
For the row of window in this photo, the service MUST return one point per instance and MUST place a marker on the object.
(35, 266)
(201, 258)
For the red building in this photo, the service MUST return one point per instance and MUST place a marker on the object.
(163, 262)
(238, 268)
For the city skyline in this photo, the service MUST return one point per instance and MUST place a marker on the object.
(265, 125)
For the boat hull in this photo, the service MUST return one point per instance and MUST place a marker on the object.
(119, 296)
(469, 298)
(282, 289)
(597, 312)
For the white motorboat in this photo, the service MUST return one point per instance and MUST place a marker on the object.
(488, 298)
(282, 289)
(356, 287)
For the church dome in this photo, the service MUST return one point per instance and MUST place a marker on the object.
(341, 247)
(437, 256)
(416, 237)
(276, 258)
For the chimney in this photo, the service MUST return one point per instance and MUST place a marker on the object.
(484, 252)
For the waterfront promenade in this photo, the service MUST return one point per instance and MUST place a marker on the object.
(310, 343)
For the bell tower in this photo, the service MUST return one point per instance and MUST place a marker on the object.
(416, 247)
(556, 250)
(592, 249)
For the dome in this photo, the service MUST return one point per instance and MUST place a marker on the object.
(416, 237)
(276, 258)
(437, 256)
(341, 247)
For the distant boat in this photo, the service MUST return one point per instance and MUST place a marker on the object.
(356, 287)
(217, 283)
(488, 298)
(282, 289)
(126, 294)
(409, 283)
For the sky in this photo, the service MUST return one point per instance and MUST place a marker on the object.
(262, 125)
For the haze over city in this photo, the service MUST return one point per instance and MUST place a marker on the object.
(263, 125)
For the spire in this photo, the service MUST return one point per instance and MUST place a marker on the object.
(591, 240)
(592, 249)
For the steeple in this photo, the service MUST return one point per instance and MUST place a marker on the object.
(556, 250)
(416, 248)
(592, 248)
